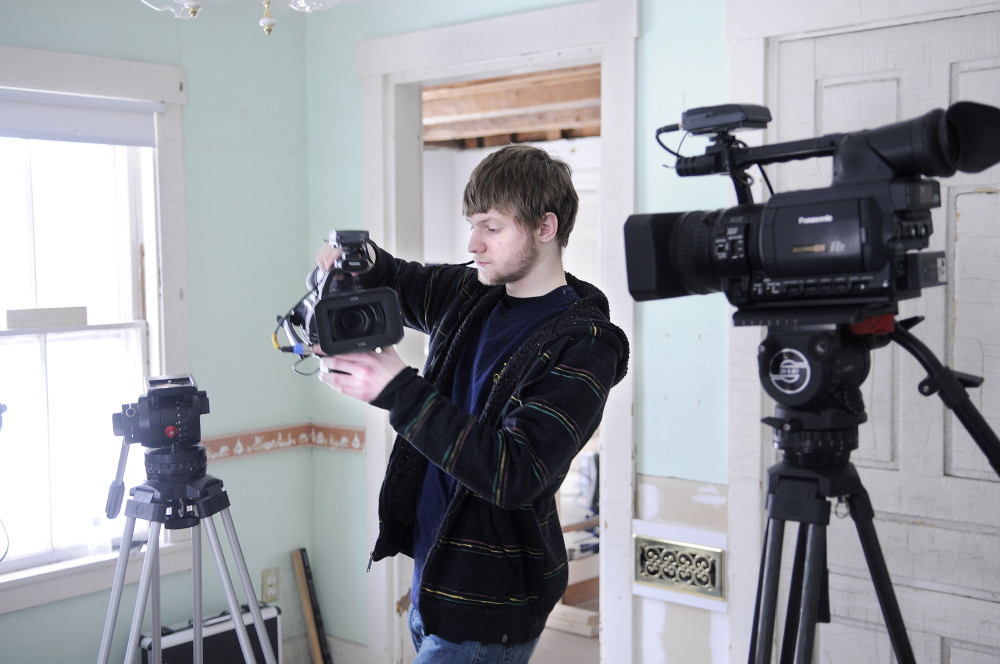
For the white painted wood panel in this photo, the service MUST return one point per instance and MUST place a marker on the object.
(937, 501)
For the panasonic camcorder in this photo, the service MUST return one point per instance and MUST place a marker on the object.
(840, 254)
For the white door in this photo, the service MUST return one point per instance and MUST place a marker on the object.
(936, 499)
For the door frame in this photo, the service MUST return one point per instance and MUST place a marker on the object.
(392, 71)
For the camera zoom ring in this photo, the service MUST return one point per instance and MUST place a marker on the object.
(692, 253)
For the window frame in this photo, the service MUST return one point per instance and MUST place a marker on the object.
(166, 273)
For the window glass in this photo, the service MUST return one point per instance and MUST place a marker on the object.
(16, 266)
(71, 222)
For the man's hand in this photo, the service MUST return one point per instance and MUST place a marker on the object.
(327, 256)
(361, 375)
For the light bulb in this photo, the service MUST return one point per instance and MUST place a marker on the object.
(310, 6)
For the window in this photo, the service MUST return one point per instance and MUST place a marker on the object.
(76, 220)
(123, 119)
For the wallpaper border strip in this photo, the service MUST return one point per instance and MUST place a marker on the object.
(276, 439)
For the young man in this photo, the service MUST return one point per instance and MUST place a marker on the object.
(520, 362)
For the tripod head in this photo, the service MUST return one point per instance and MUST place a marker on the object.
(166, 419)
(815, 372)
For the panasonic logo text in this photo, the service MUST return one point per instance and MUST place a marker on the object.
(824, 219)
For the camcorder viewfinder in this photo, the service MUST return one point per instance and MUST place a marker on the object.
(337, 313)
(840, 254)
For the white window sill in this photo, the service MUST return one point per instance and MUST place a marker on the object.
(72, 578)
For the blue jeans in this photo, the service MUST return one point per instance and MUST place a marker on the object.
(433, 649)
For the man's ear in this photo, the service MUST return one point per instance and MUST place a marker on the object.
(548, 228)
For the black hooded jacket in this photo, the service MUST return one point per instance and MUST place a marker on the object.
(499, 563)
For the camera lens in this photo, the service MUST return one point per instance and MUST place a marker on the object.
(689, 253)
(359, 321)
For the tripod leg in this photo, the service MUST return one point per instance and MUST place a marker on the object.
(760, 587)
(862, 513)
(116, 591)
(794, 597)
(198, 656)
(227, 585)
(152, 545)
(241, 567)
(812, 590)
(769, 591)
(155, 611)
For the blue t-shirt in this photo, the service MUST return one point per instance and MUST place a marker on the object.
(511, 323)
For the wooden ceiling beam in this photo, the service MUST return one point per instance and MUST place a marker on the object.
(486, 85)
(525, 111)
(515, 124)
(513, 99)
(549, 103)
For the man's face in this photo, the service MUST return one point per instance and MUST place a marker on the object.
(504, 251)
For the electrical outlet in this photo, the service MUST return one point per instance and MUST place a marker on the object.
(269, 585)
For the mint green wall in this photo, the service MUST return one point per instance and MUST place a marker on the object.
(246, 207)
(682, 349)
(272, 159)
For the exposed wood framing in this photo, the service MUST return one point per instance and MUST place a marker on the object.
(548, 105)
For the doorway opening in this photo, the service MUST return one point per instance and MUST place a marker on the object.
(559, 111)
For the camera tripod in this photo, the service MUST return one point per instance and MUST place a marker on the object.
(179, 494)
(815, 375)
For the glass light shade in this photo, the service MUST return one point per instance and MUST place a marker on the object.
(179, 8)
(310, 6)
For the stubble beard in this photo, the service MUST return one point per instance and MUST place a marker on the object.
(522, 264)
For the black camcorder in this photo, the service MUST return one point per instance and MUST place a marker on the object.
(337, 313)
(840, 254)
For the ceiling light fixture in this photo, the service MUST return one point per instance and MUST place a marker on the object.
(184, 9)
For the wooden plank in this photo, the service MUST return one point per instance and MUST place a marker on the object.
(546, 103)
(584, 591)
(583, 118)
(585, 73)
(586, 524)
(488, 112)
(318, 647)
(574, 620)
(514, 98)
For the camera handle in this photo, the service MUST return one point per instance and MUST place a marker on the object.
(117, 490)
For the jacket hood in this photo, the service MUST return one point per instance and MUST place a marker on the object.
(592, 316)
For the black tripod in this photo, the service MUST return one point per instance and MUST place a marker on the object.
(815, 374)
(179, 494)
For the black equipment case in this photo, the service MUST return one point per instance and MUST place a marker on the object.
(220, 643)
